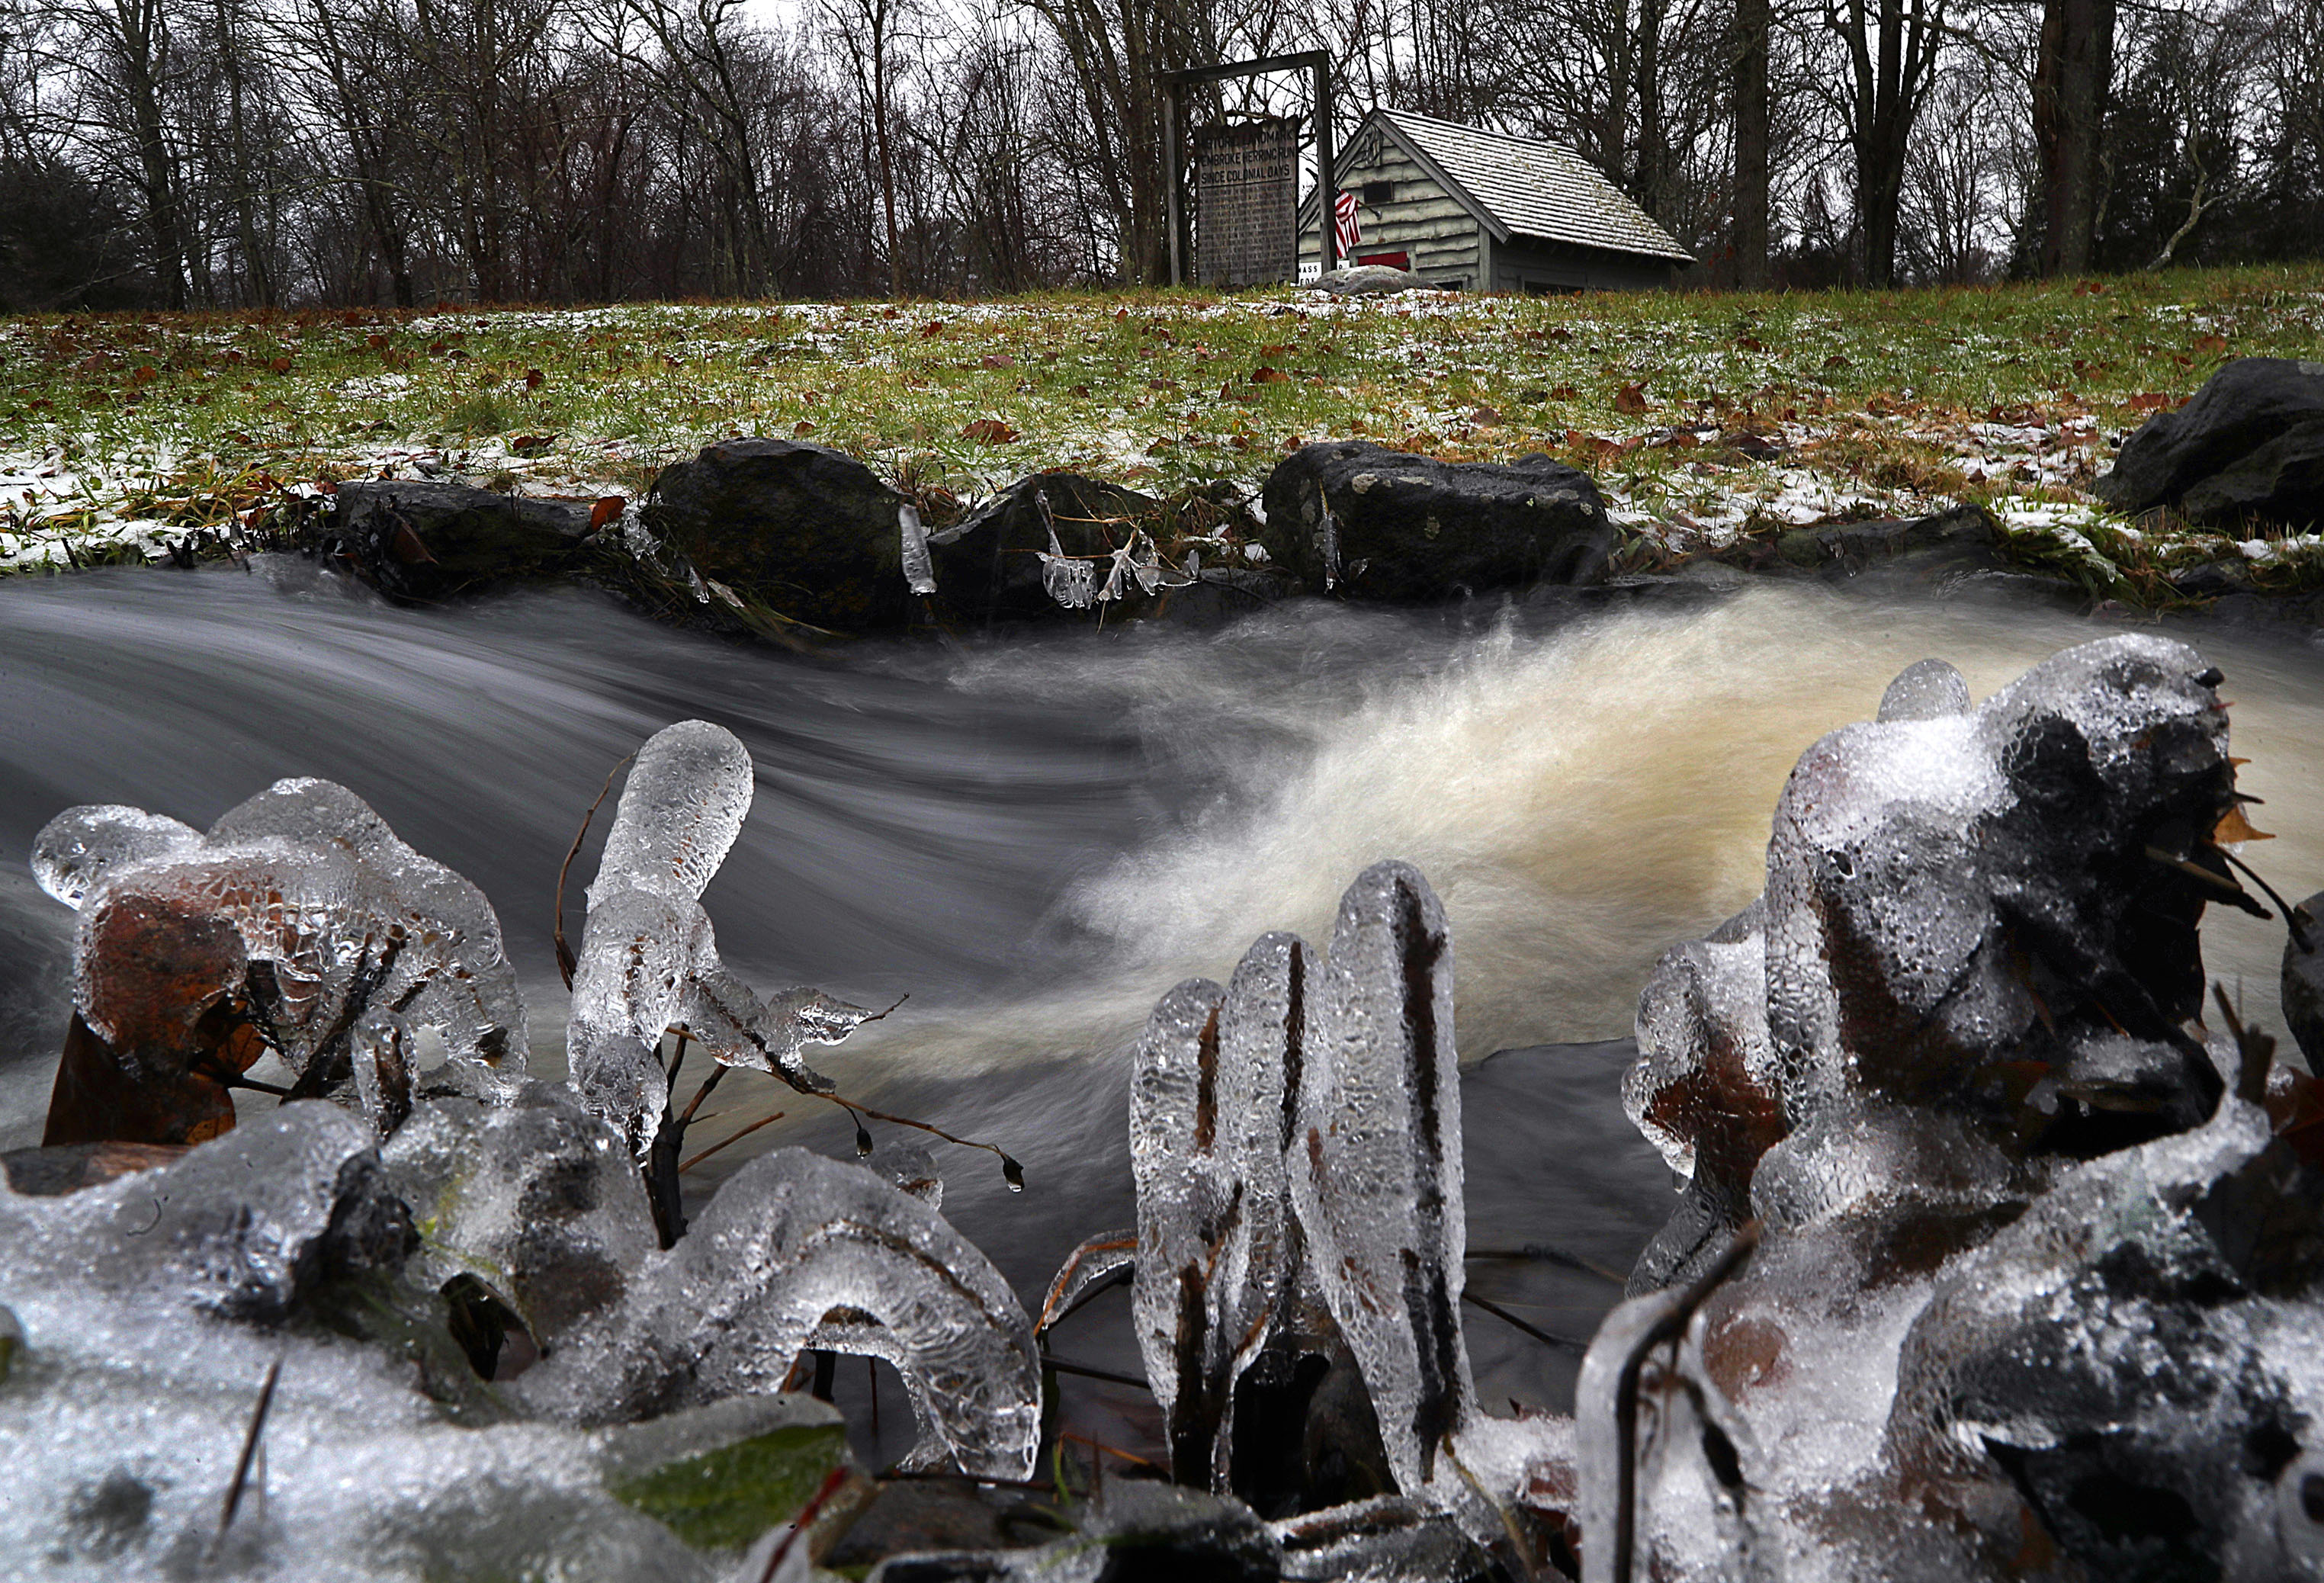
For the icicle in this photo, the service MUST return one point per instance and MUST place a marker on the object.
(919, 573)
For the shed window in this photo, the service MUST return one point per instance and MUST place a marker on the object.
(1380, 192)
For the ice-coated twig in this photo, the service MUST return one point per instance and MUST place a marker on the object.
(1207, 1115)
(250, 1436)
(792, 1239)
(1096, 1263)
(919, 573)
(565, 961)
(648, 960)
(1377, 1178)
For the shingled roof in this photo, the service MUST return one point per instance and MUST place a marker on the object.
(1518, 187)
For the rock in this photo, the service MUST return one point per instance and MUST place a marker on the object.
(1221, 594)
(1927, 689)
(422, 541)
(1800, 548)
(986, 565)
(2251, 444)
(2211, 580)
(907, 1517)
(1960, 538)
(804, 530)
(1368, 280)
(2303, 983)
(1408, 529)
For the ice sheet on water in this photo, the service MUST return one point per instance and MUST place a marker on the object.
(794, 1240)
(648, 958)
(1380, 1199)
(537, 1199)
(345, 917)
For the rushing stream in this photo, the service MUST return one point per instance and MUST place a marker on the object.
(1034, 839)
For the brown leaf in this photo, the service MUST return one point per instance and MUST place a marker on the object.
(1631, 398)
(1264, 375)
(405, 545)
(1749, 344)
(279, 365)
(2150, 401)
(1837, 360)
(2233, 826)
(2211, 345)
(534, 378)
(376, 342)
(998, 359)
(608, 507)
(531, 444)
(989, 431)
(1485, 418)
(803, 428)
(935, 326)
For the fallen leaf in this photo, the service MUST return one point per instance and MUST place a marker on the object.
(1485, 418)
(2149, 401)
(1631, 398)
(279, 365)
(935, 326)
(2211, 345)
(376, 342)
(531, 445)
(1837, 360)
(608, 507)
(406, 546)
(1750, 344)
(2232, 826)
(804, 426)
(989, 431)
(1264, 375)
(534, 378)
(999, 360)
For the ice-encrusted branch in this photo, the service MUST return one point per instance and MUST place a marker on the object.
(798, 1250)
(648, 960)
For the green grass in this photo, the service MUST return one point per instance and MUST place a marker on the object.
(157, 425)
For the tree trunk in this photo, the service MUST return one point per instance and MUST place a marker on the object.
(1752, 137)
(2071, 74)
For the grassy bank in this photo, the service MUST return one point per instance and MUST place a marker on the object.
(121, 434)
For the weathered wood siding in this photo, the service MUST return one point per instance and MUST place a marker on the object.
(1530, 265)
(1420, 218)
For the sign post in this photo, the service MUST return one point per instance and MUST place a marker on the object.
(1317, 63)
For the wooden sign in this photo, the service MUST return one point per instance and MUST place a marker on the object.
(1246, 203)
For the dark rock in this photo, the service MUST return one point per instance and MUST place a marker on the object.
(1800, 548)
(1221, 594)
(2251, 444)
(1408, 529)
(2210, 580)
(804, 530)
(419, 541)
(987, 566)
(2022, 585)
(2303, 983)
(1958, 540)
(914, 1516)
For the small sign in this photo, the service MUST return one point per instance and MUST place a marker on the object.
(1246, 203)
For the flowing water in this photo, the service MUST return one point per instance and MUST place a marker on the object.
(1034, 839)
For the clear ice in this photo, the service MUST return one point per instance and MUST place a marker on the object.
(364, 939)
(797, 1250)
(649, 961)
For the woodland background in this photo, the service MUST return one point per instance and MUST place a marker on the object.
(258, 154)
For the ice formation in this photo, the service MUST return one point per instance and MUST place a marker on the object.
(2035, 1289)
(649, 962)
(799, 1251)
(1295, 1140)
(299, 914)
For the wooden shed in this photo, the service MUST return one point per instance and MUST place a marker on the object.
(1476, 210)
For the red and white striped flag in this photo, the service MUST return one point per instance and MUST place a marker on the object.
(1343, 214)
